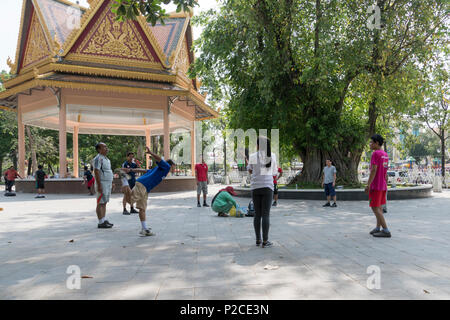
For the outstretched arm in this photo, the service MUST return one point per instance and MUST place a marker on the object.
(153, 155)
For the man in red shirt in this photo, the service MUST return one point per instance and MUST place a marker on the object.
(377, 185)
(10, 177)
(275, 187)
(201, 174)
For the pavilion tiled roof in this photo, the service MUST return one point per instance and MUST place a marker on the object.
(60, 37)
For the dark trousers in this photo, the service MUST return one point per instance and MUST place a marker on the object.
(9, 185)
(262, 199)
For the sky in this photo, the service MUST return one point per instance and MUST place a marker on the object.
(10, 11)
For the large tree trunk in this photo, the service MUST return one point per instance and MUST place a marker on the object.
(346, 164)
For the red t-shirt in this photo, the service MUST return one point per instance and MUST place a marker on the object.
(202, 171)
(381, 160)
(275, 177)
(11, 174)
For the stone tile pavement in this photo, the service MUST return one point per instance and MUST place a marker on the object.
(319, 253)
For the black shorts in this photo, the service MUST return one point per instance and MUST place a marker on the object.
(40, 185)
(132, 183)
(275, 188)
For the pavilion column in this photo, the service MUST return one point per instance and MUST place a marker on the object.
(21, 143)
(193, 149)
(148, 144)
(62, 137)
(76, 161)
(166, 132)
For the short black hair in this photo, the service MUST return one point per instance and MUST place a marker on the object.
(40, 167)
(170, 162)
(85, 168)
(128, 153)
(377, 138)
(98, 145)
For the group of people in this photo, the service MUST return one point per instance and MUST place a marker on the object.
(135, 190)
(261, 165)
(264, 172)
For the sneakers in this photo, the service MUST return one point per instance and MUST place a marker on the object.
(205, 204)
(133, 210)
(382, 234)
(125, 212)
(274, 204)
(199, 205)
(327, 205)
(267, 244)
(375, 230)
(334, 205)
(258, 243)
(146, 233)
(105, 225)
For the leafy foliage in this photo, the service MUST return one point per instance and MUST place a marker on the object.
(315, 71)
(151, 9)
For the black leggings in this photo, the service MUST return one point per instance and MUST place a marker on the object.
(262, 199)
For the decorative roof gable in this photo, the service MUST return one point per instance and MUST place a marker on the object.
(107, 41)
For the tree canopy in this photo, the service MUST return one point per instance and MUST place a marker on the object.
(315, 70)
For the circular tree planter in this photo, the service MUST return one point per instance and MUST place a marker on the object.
(423, 191)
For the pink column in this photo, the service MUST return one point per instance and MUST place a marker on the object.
(76, 166)
(166, 132)
(193, 160)
(21, 142)
(62, 138)
(147, 143)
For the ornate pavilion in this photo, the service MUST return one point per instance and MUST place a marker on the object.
(78, 70)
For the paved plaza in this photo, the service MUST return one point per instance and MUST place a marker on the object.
(318, 253)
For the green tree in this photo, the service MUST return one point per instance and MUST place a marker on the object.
(435, 111)
(151, 9)
(315, 71)
(8, 135)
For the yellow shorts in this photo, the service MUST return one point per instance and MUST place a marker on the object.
(139, 196)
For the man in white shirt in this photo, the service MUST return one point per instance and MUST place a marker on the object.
(103, 183)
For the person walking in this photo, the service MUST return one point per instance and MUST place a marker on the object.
(103, 183)
(201, 175)
(89, 180)
(329, 182)
(128, 184)
(275, 187)
(262, 167)
(145, 183)
(40, 177)
(377, 185)
(10, 178)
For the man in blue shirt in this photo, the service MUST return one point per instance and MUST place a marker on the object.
(129, 185)
(145, 184)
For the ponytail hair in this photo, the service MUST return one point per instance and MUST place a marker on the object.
(265, 143)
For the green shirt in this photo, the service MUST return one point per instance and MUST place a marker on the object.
(223, 202)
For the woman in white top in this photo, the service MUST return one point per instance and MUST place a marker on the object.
(262, 166)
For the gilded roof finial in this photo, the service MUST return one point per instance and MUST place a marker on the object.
(10, 63)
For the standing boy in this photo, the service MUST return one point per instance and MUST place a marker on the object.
(275, 186)
(103, 184)
(201, 174)
(127, 186)
(40, 179)
(145, 184)
(377, 185)
(329, 182)
(10, 178)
